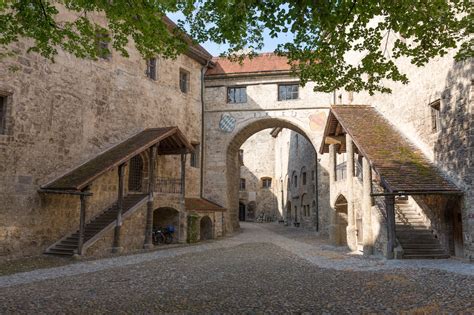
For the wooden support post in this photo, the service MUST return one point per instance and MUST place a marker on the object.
(183, 175)
(390, 209)
(118, 224)
(151, 188)
(368, 244)
(82, 220)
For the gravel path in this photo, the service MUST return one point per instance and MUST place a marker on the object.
(265, 269)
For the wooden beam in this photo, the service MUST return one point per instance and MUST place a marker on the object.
(338, 129)
(335, 139)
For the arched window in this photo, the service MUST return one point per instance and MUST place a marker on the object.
(303, 175)
(294, 178)
(135, 174)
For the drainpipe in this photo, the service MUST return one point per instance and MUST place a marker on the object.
(201, 188)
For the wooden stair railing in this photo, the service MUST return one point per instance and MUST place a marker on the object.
(69, 245)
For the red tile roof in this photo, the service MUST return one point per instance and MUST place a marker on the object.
(201, 204)
(266, 62)
(402, 167)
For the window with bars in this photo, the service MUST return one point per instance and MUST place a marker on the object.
(184, 81)
(288, 92)
(151, 68)
(236, 95)
(266, 182)
(435, 116)
(194, 160)
(3, 114)
(242, 184)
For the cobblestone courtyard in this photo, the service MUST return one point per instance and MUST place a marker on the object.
(265, 269)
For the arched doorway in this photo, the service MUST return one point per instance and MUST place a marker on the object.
(135, 174)
(341, 220)
(229, 185)
(165, 217)
(205, 229)
(241, 211)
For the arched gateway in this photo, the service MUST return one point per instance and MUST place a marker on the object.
(221, 163)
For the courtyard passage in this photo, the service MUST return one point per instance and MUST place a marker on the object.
(267, 268)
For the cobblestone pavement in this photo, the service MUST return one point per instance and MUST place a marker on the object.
(265, 269)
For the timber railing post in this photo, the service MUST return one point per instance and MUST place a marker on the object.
(390, 209)
(151, 188)
(183, 175)
(82, 220)
(116, 247)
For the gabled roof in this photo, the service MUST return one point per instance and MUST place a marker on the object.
(201, 204)
(262, 63)
(171, 141)
(402, 167)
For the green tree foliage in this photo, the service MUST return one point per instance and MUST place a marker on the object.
(325, 32)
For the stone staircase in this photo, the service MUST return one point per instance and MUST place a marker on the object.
(415, 237)
(68, 245)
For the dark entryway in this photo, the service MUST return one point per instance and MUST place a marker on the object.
(241, 212)
(454, 209)
(205, 228)
(341, 220)
(135, 175)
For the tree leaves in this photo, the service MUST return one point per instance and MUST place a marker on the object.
(328, 34)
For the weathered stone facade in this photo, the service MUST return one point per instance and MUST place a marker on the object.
(64, 113)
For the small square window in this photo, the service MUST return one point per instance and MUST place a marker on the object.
(184, 81)
(288, 92)
(151, 68)
(236, 95)
(435, 116)
(266, 182)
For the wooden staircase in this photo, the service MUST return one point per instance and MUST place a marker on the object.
(416, 239)
(68, 245)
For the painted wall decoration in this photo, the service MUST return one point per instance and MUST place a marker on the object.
(227, 123)
(317, 121)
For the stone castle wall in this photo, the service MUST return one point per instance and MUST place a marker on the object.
(61, 114)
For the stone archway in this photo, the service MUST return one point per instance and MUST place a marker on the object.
(205, 229)
(222, 152)
(341, 221)
(166, 216)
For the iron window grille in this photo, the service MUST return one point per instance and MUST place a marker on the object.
(151, 68)
(236, 95)
(184, 81)
(288, 92)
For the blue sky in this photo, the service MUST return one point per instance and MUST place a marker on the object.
(214, 49)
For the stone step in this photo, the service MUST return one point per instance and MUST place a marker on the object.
(425, 256)
(433, 245)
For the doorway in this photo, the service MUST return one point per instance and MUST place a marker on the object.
(241, 211)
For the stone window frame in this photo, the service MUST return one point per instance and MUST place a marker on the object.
(242, 184)
(151, 68)
(6, 123)
(266, 182)
(242, 99)
(435, 115)
(102, 45)
(293, 95)
(184, 82)
(194, 159)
